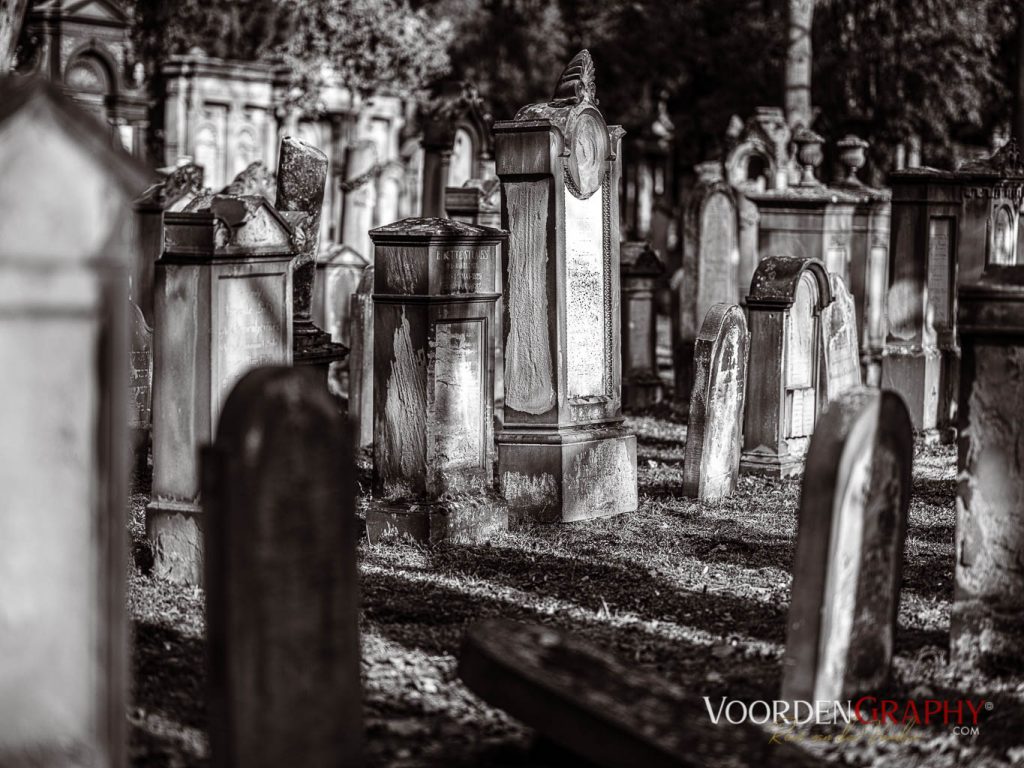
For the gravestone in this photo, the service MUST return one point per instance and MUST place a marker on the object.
(842, 353)
(337, 276)
(849, 551)
(715, 429)
(786, 384)
(986, 629)
(140, 386)
(65, 243)
(360, 361)
(223, 307)
(563, 453)
(640, 269)
(710, 269)
(588, 702)
(282, 604)
(433, 390)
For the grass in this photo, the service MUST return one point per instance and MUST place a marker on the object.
(697, 592)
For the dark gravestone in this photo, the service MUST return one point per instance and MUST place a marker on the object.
(591, 704)
(640, 268)
(140, 389)
(715, 429)
(849, 551)
(282, 596)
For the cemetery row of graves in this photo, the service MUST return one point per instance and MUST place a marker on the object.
(433, 536)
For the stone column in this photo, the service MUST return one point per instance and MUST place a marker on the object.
(640, 269)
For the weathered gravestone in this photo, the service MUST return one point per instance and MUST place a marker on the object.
(640, 269)
(64, 255)
(786, 385)
(360, 361)
(563, 453)
(282, 602)
(842, 352)
(589, 703)
(140, 387)
(223, 307)
(849, 551)
(987, 628)
(715, 430)
(433, 391)
(338, 272)
(710, 269)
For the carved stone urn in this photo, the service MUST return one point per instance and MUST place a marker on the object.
(853, 155)
(808, 154)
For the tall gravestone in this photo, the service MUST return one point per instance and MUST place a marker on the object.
(433, 391)
(987, 630)
(224, 306)
(787, 376)
(849, 552)
(282, 587)
(563, 453)
(710, 271)
(140, 386)
(842, 352)
(715, 428)
(64, 257)
(640, 269)
(360, 360)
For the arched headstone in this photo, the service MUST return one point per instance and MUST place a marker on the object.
(715, 431)
(849, 551)
(842, 354)
(282, 587)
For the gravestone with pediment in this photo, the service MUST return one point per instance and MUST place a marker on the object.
(715, 428)
(842, 352)
(786, 375)
(986, 632)
(223, 307)
(338, 272)
(710, 271)
(360, 360)
(282, 602)
(433, 391)
(563, 453)
(849, 553)
(641, 266)
(65, 252)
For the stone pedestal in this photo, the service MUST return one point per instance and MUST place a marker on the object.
(223, 306)
(640, 269)
(987, 628)
(433, 385)
(563, 454)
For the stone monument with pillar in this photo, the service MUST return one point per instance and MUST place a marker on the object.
(563, 453)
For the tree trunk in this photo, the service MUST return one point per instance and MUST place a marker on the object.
(798, 62)
(12, 14)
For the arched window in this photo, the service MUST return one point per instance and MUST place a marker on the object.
(88, 73)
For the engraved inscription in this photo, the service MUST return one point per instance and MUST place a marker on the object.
(252, 325)
(463, 269)
(586, 339)
(939, 232)
(457, 426)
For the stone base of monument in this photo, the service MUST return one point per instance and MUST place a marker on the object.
(642, 392)
(467, 520)
(175, 532)
(559, 477)
(769, 464)
(926, 379)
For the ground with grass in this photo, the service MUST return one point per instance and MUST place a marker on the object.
(697, 592)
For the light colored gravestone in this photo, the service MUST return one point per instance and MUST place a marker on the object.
(140, 387)
(337, 277)
(842, 353)
(282, 589)
(715, 429)
(433, 392)
(986, 629)
(563, 453)
(65, 200)
(223, 307)
(849, 551)
(786, 385)
(640, 269)
(360, 361)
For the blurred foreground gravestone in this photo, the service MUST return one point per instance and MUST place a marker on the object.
(614, 716)
(849, 552)
(987, 622)
(282, 588)
(360, 361)
(715, 428)
(563, 453)
(223, 307)
(640, 269)
(433, 390)
(64, 253)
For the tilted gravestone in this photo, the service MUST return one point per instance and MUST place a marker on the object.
(223, 307)
(849, 550)
(715, 430)
(640, 268)
(986, 629)
(282, 602)
(64, 256)
(842, 352)
(433, 392)
(563, 453)
(588, 702)
(140, 390)
(360, 360)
